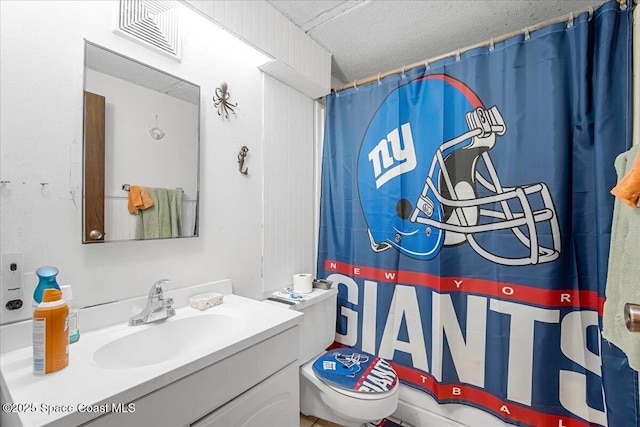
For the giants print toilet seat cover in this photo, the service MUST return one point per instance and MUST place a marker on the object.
(355, 370)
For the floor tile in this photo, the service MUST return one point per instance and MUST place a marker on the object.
(323, 423)
(306, 421)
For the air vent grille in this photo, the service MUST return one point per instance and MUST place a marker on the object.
(152, 22)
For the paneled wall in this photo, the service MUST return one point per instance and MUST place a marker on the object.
(299, 61)
(289, 200)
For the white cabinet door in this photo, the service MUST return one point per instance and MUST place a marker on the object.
(275, 402)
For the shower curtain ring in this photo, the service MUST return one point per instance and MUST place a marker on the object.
(355, 86)
(458, 55)
(491, 45)
(570, 22)
(403, 74)
(379, 82)
(590, 14)
(427, 66)
(527, 36)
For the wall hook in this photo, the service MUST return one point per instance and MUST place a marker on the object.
(241, 160)
(221, 101)
(155, 132)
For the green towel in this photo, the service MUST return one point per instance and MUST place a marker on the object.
(623, 280)
(162, 220)
(175, 212)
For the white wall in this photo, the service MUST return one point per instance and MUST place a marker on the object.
(41, 79)
(132, 156)
(290, 202)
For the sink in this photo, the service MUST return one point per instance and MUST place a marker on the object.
(133, 363)
(166, 340)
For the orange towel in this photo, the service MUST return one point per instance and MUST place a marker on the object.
(138, 199)
(628, 189)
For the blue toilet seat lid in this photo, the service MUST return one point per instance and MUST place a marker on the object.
(355, 370)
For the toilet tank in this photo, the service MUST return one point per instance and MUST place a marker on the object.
(318, 328)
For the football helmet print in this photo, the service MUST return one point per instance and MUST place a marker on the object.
(426, 180)
(350, 363)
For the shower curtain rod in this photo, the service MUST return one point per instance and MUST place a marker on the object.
(526, 31)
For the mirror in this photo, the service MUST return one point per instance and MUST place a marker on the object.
(141, 150)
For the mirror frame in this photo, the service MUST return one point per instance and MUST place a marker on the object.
(93, 184)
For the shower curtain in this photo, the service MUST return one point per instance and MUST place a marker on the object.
(465, 220)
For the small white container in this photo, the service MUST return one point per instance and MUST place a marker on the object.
(74, 325)
(206, 300)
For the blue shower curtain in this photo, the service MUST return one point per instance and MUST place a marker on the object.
(465, 219)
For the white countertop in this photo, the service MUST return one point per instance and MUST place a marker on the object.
(71, 394)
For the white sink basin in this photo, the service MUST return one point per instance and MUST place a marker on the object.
(166, 340)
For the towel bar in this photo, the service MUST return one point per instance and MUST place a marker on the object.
(127, 187)
(632, 317)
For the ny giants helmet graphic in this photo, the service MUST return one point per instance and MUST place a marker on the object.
(426, 180)
(349, 364)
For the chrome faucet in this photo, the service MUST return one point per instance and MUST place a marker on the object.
(157, 308)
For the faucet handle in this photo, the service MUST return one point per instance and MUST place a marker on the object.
(156, 294)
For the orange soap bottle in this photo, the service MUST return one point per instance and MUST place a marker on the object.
(50, 333)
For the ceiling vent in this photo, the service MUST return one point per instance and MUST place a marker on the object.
(154, 23)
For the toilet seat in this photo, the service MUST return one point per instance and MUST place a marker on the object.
(360, 395)
(354, 372)
(341, 406)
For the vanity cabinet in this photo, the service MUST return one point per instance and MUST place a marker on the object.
(257, 386)
(269, 403)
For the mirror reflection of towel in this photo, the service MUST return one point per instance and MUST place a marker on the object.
(138, 199)
(162, 220)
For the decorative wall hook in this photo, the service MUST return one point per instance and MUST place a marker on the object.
(221, 101)
(155, 132)
(244, 169)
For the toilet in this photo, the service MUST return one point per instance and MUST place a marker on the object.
(345, 386)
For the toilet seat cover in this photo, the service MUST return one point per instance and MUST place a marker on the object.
(355, 370)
